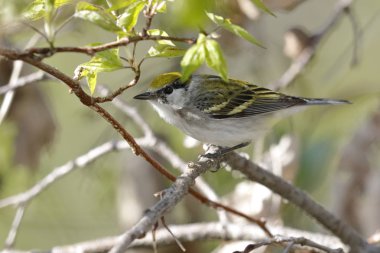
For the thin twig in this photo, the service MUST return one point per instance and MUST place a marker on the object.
(154, 243)
(121, 89)
(11, 238)
(44, 52)
(16, 71)
(356, 36)
(177, 241)
(338, 62)
(8, 98)
(299, 64)
(22, 81)
(43, 35)
(290, 246)
(62, 25)
(149, 13)
(291, 241)
(63, 170)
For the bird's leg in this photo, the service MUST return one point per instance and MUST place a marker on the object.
(216, 153)
(220, 151)
(230, 149)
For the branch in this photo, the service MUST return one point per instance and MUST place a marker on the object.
(291, 241)
(16, 71)
(121, 89)
(43, 52)
(22, 81)
(11, 238)
(95, 153)
(8, 98)
(171, 197)
(196, 232)
(307, 54)
(299, 198)
(61, 171)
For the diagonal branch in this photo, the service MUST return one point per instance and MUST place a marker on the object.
(170, 198)
(61, 171)
(299, 198)
(8, 98)
(299, 64)
(11, 238)
(22, 81)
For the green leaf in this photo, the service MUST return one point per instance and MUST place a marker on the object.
(235, 29)
(120, 5)
(241, 32)
(104, 61)
(91, 80)
(259, 4)
(205, 50)
(161, 7)
(163, 48)
(129, 18)
(157, 32)
(40, 8)
(35, 10)
(59, 3)
(84, 6)
(97, 16)
(165, 51)
(215, 58)
(109, 59)
(194, 57)
(49, 7)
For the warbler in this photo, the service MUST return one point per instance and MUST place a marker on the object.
(224, 113)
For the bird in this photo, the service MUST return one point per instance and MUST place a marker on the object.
(226, 113)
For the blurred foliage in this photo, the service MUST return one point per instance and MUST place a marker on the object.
(83, 205)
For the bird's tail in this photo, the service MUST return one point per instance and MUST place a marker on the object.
(324, 101)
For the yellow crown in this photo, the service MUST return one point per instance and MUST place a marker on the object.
(164, 79)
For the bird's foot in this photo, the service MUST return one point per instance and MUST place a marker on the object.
(217, 152)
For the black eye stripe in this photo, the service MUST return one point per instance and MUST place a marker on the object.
(168, 90)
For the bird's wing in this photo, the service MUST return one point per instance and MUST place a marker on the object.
(238, 101)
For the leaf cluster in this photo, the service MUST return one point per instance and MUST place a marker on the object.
(121, 18)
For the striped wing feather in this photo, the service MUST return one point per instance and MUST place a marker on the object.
(237, 100)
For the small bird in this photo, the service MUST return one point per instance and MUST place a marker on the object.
(229, 113)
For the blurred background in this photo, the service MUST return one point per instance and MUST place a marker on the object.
(332, 153)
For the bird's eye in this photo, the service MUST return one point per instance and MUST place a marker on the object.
(168, 90)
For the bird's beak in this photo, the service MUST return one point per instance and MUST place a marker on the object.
(146, 96)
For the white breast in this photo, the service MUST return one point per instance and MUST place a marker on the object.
(222, 132)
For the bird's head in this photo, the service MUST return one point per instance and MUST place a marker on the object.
(166, 88)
